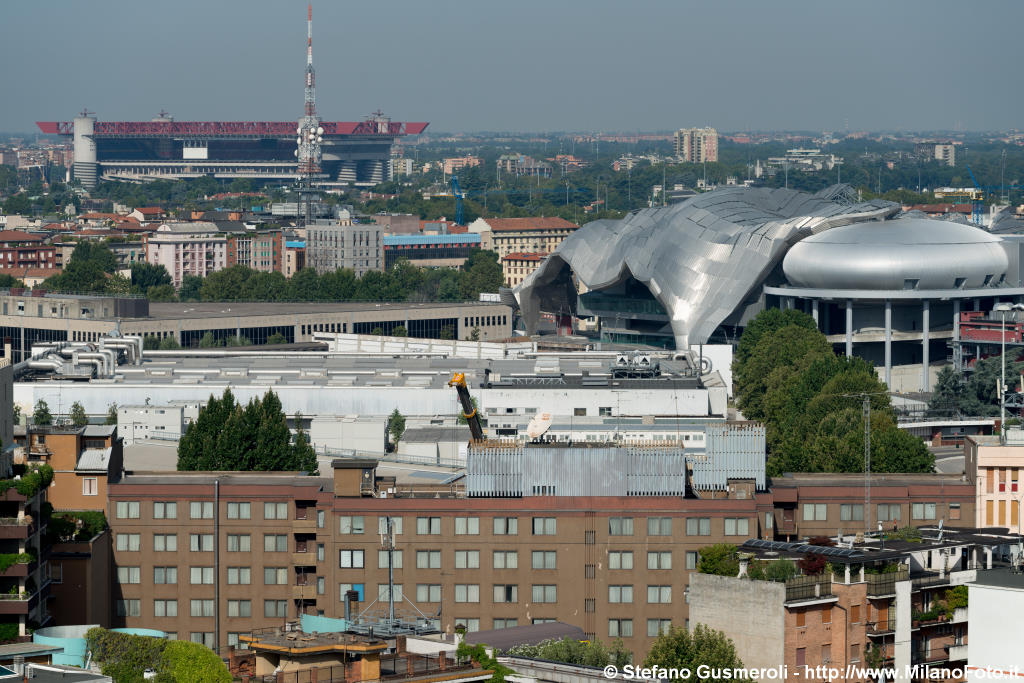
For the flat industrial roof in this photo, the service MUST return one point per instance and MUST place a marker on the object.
(186, 310)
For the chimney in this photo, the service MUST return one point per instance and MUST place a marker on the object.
(744, 564)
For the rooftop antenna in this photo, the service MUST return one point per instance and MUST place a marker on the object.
(387, 542)
(310, 133)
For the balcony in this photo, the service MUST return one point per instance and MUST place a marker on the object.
(929, 580)
(14, 527)
(809, 589)
(23, 604)
(959, 616)
(881, 628)
(304, 559)
(884, 585)
(305, 520)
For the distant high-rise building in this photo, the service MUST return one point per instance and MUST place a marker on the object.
(946, 153)
(696, 145)
(331, 245)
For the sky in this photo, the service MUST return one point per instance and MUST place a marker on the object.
(522, 65)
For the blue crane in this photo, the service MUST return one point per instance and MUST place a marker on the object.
(457, 192)
(977, 202)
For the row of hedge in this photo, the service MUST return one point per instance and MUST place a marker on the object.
(30, 483)
(126, 658)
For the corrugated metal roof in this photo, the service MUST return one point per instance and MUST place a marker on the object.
(93, 460)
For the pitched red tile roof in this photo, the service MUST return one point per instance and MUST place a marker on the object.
(524, 256)
(19, 236)
(25, 271)
(534, 223)
(149, 210)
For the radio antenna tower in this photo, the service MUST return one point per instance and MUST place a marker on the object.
(310, 133)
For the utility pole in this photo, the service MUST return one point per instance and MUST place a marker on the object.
(867, 462)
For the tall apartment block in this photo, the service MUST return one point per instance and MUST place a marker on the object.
(331, 245)
(696, 145)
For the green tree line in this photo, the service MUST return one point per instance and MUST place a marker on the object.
(786, 375)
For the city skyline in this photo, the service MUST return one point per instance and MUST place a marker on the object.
(651, 66)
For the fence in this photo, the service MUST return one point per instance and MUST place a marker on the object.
(885, 584)
(808, 588)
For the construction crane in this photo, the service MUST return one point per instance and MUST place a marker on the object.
(978, 201)
(459, 195)
(458, 381)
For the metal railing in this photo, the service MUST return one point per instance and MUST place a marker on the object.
(808, 588)
(878, 627)
(885, 584)
(928, 581)
(15, 521)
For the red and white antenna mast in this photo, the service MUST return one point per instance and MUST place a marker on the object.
(310, 133)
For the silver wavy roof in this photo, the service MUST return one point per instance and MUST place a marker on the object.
(700, 258)
(915, 253)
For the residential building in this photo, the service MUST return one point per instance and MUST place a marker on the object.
(438, 250)
(32, 277)
(259, 249)
(148, 214)
(128, 252)
(806, 160)
(6, 397)
(996, 601)
(141, 422)
(518, 266)
(25, 584)
(453, 164)
(187, 249)
(875, 604)
(401, 166)
(331, 245)
(294, 256)
(520, 164)
(19, 249)
(80, 587)
(943, 152)
(994, 470)
(85, 461)
(696, 145)
(537, 235)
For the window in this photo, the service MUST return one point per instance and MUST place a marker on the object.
(275, 608)
(239, 576)
(90, 486)
(428, 559)
(467, 559)
(659, 526)
(801, 618)
(239, 510)
(359, 588)
(351, 525)
(233, 641)
(506, 559)
(620, 628)
(200, 510)
(239, 608)
(698, 526)
(620, 560)
(275, 576)
(506, 623)
(384, 594)
(129, 542)
(691, 559)
(165, 543)
(815, 512)
(382, 559)
(350, 559)
(545, 593)
(655, 627)
(855, 614)
(275, 511)
(165, 510)
(202, 637)
(851, 512)
(737, 526)
(321, 517)
(620, 526)
(129, 608)
(470, 624)
(888, 513)
(659, 594)
(579, 412)
(954, 510)
(239, 543)
(200, 575)
(127, 510)
(620, 594)
(275, 543)
(165, 575)
(922, 510)
(801, 656)
(854, 652)
(165, 608)
(200, 543)
(544, 559)
(396, 525)
(506, 526)
(544, 526)
(428, 526)
(467, 526)
(506, 593)
(201, 608)
(467, 592)
(428, 592)
(826, 614)
(659, 560)
(604, 411)
(129, 575)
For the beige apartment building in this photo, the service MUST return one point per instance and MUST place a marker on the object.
(538, 235)
(696, 145)
(994, 469)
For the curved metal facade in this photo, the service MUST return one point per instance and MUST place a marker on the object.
(700, 259)
(907, 253)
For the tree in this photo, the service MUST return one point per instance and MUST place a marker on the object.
(190, 287)
(209, 341)
(474, 334)
(396, 426)
(17, 414)
(150, 342)
(145, 276)
(766, 322)
(948, 392)
(682, 649)
(186, 661)
(111, 415)
(41, 416)
(721, 559)
(399, 331)
(576, 652)
(161, 293)
(277, 338)
(77, 416)
(448, 332)
(169, 344)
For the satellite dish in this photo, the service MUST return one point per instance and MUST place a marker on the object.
(540, 423)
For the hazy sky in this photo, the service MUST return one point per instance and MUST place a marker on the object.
(586, 65)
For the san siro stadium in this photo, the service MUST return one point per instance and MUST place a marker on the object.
(882, 284)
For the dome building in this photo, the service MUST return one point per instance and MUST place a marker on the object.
(881, 284)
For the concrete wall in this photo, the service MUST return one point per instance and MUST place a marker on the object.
(361, 433)
(751, 613)
(136, 423)
(991, 645)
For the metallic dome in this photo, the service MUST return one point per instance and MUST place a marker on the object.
(906, 253)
